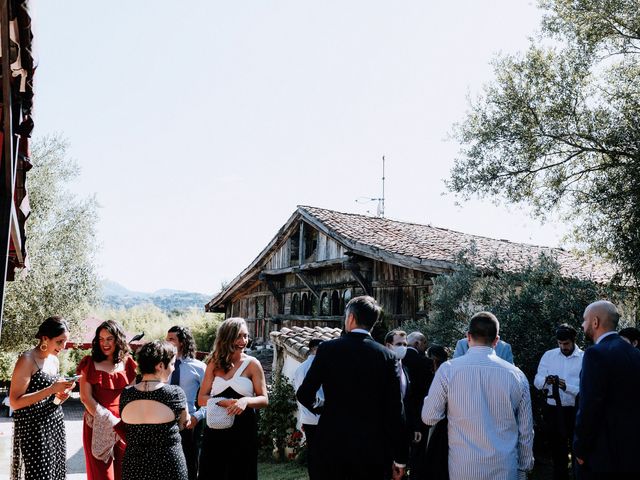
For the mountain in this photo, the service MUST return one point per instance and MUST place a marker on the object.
(115, 295)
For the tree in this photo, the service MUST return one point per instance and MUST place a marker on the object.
(559, 127)
(61, 242)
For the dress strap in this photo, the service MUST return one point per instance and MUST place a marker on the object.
(242, 367)
(33, 357)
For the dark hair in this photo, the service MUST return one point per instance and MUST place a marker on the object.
(121, 348)
(483, 327)
(314, 342)
(566, 332)
(389, 336)
(152, 353)
(365, 311)
(52, 327)
(439, 353)
(186, 339)
(632, 333)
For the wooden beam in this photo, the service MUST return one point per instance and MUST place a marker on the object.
(304, 268)
(355, 271)
(307, 283)
(302, 318)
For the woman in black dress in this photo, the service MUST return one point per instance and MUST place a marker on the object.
(153, 413)
(39, 445)
(232, 453)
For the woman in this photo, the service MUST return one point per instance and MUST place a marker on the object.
(232, 453)
(39, 444)
(105, 373)
(153, 414)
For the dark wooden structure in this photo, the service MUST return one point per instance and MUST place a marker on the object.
(321, 258)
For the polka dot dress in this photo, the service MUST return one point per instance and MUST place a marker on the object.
(39, 443)
(154, 452)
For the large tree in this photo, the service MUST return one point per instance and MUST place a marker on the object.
(61, 241)
(559, 127)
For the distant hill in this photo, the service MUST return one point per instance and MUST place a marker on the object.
(115, 295)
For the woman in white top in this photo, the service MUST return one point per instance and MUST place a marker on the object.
(232, 453)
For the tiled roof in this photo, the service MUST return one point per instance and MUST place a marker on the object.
(295, 340)
(438, 247)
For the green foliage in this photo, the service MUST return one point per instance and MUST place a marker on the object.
(277, 421)
(155, 322)
(61, 241)
(7, 362)
(558, 128)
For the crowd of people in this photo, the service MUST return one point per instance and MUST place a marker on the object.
(144, 418)
(369, 410)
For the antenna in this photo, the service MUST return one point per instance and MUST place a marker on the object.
(380, 200)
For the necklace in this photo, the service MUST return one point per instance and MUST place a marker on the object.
(147, 382)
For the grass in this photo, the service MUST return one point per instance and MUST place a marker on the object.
(281, 471)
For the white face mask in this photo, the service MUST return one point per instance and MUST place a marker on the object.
(400, 351)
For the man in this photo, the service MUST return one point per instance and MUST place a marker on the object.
(309, 419)
(487, 403)
(188, 374)
(396, 342)
(559, 376)
(630, 335)
(503, 349)
(360, 424)
(420, 372)
(606, 441)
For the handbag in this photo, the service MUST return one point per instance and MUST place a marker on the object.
(217, 416)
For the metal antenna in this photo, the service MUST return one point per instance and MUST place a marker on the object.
(380, 209)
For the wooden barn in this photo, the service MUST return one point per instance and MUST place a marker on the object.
(322, 258)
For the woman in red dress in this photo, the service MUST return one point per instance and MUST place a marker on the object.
(105, 373)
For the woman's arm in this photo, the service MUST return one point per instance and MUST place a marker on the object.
(183, 419)
(260, 399)
(86, 396)
(20, 382)
(205, 387)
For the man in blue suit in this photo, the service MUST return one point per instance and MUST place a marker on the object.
(606, 441)
(502, 348)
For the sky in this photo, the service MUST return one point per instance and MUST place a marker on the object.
(200, 126)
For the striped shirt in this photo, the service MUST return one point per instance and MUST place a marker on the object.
(487, 403)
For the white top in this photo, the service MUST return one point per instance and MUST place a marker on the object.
(488, 405)
(306, 417)
(242, 385)
(553, 362)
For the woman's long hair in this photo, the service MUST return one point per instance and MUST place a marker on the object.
(121, 348)
(223, 347)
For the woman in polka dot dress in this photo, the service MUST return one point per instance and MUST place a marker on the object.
(39, 445)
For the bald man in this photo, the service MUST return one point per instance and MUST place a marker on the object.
(606, 440)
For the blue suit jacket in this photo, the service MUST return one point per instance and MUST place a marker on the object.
(503, 350)
(607, 431)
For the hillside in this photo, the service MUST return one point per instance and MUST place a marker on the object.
(115, 295)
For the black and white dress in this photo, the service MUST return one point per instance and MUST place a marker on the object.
(39, 443)
(154, 451)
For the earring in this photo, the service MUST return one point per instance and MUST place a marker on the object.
(43, 346)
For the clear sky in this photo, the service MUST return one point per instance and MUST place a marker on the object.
(200, 125)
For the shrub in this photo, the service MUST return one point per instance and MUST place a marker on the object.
(277, 421)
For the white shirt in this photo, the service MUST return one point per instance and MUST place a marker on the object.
(306, 416)
(488, 406)
(554, 362)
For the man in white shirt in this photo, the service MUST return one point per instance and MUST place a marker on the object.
(308, 419)
(559, 376)
(488, 407)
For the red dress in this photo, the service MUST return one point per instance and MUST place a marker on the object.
(106, 390)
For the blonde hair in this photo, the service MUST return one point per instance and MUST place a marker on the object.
(223, 347)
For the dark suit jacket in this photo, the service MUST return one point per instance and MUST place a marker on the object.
(607, 432)
(420, 375)
(361, 422)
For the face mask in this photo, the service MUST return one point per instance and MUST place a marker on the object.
(400, 351)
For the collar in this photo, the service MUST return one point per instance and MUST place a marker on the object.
(604, 335)
(576, 351)
(413, 348)
(360, 330)
(480, 349)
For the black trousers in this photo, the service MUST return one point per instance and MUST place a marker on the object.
(310, 432)
(191, 442)
(560, 431)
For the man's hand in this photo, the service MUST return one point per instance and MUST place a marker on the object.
(580, 461)
(417, 437)
(191, 423)
(562, 384)
(397, 472)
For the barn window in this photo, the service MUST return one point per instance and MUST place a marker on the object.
(346, 296)
(310, 242)
(324, 304)
(294, 247)
(260, 307)
(295, 304)
(306, 305)
(335, 303)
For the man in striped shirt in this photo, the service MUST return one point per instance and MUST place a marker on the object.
(488, 406)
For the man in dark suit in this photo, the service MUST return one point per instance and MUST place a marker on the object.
(360, 431)
(606, 440)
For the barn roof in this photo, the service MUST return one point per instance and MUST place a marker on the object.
(296, 340)
(419, 247)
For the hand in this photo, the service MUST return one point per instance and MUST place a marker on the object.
(226, 403)
(191, 422)
(61, 385)
(417, 437)
(580, 461)
(397, 472)
(62, 396)
(238, 406)
(562, 384)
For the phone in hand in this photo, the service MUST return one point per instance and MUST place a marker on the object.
(72, 378)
